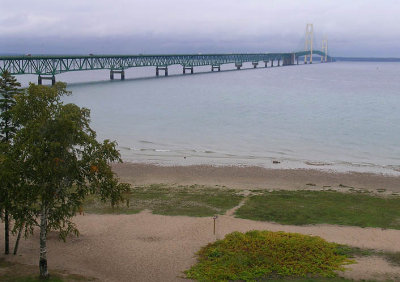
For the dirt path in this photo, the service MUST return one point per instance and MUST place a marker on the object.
(246, 194)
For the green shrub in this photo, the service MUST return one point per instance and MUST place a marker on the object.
(264, 254)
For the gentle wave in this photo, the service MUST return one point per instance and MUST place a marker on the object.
(346, 117)
(317, 163)
(214, 157)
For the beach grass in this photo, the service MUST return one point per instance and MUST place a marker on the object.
(319, 207)
(258, 255)
(194, 200)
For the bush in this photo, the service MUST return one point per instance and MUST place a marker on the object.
(265, 254)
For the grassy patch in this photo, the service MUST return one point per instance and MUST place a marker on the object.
(191, 200)
(325, 279)
(392, 257)
(354, 251)
(317, 207)
(16, 272)
(259, 255)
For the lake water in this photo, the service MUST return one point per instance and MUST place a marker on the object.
(337, 116)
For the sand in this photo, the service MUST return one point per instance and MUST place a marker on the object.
(252, 177)
(147, 247)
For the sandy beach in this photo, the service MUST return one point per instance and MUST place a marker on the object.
(252, 177)
(148, 247)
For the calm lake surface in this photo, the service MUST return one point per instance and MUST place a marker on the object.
(338, 116)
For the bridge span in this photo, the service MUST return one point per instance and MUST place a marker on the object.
(46, 67)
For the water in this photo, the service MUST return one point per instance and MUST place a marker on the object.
(338, 116)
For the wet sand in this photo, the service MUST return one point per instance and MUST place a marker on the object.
(252, 177)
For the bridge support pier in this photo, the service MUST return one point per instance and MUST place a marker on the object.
(255, 64)
(213, 67)
(266, 64)
(310, 60)
(41, 78)
(188, 68)
(165, 69)
(238, 65)
(288, 61)
(122, 72)
(279, 62)
(272, 63)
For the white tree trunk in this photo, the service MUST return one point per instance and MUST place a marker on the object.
(18, 239)
(6, 232)
(43, 249)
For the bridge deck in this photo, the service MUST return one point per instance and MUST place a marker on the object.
(55, 64)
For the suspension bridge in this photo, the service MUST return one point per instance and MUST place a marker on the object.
(47, 67)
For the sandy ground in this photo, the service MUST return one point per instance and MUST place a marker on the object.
(147, 247)
(251, 177)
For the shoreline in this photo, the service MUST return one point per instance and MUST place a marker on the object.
(253, 177)
(158, 154)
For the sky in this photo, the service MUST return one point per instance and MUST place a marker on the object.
(361, 28)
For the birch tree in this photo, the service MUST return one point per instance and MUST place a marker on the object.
(61, 162)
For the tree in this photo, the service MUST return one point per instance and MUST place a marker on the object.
(9, 87)
(60, 162)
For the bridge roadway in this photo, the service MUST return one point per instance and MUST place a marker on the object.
(46, 67)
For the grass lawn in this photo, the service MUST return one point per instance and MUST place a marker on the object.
(317, 207)
(166, 200)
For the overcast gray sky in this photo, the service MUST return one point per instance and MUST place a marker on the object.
(353, 27)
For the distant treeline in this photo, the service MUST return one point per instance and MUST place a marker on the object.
(352, 59)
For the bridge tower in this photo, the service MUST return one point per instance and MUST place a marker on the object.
(309, 42)
(325, 50)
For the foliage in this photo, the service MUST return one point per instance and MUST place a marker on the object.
(9, 88)
(317, 207)
(264, 254)
(59, 162)
(59, 157)
(192, 200)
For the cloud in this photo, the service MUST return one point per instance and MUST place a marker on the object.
(119, 26)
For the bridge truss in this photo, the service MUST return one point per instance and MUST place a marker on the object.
(52, 65)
